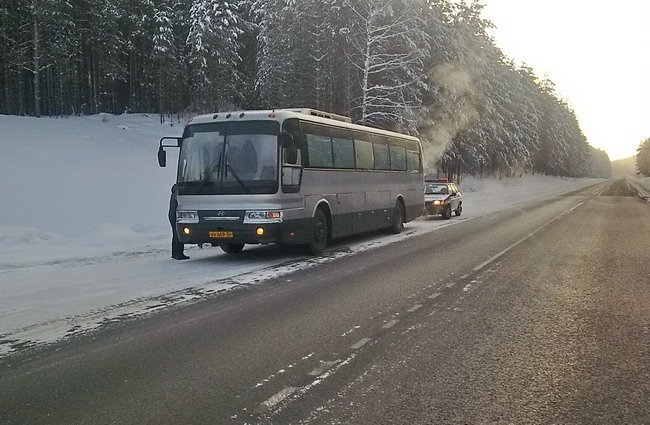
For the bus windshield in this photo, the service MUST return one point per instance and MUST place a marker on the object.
(229, 158)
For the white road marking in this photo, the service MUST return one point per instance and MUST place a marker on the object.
(277, 398)
(323, 367)
(346, 333)
(502, 252)
(414, 308)
(450, 284)
(465, 276)
(390, 324)
(360, 343)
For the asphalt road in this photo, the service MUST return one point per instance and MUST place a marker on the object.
(536, 314)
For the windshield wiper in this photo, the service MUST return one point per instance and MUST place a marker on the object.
(206, 179)
(234, 174)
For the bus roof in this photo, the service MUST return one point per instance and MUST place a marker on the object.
(302, 113)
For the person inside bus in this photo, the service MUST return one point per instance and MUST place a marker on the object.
(177, 246)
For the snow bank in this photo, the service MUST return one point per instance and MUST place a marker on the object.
(87, 185)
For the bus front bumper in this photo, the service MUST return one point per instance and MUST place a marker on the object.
(287, 232)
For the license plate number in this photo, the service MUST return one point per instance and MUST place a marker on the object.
(220, 234)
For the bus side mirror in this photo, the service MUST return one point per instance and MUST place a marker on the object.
(285, 139)
(291, 155)
(162, 157)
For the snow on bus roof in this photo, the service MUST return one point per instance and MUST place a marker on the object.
(282, 114)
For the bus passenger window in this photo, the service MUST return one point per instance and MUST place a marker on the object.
(319, 149)
(364, 156)
(382, 158)
(343, 153)
(397, 158)
(413, 161)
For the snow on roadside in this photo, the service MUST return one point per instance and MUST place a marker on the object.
(642, 183)
(85, 238)
(486, 195)
(81, 187)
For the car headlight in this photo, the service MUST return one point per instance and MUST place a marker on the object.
(187, 217)
(438, 202)
(263, 217)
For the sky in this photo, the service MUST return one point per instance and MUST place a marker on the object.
(598, 54)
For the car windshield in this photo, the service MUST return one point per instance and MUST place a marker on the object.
(435, 189)
(234, 158)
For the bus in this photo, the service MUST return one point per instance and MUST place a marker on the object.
(291, 176)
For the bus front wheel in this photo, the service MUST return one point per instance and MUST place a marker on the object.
(319, 232)
(232, 248)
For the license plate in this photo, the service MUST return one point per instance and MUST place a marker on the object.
(220, 234)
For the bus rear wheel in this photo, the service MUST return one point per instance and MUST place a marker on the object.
(319, 233)
(398, 218)
(232, 248)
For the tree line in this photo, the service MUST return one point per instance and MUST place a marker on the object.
(425, 67)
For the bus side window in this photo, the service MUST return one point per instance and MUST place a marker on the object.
(382, 157)
(412, 161)
(364, 156)
(319, 145)
(320, 151)
(397, 158)
(342, 147)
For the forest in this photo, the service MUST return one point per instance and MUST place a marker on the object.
(429, 68)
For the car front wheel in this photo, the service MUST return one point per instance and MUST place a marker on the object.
(446, 214)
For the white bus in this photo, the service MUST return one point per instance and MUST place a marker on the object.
(292, 176)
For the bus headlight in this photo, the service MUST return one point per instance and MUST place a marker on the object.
(187, 217)
(263, 217)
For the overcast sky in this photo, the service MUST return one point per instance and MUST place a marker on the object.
(598, 54)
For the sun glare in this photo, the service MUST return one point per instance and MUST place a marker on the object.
(595, 52)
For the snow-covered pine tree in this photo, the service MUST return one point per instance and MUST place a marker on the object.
(279, 52)
(213, 39)
(643, 158)
(164, 51)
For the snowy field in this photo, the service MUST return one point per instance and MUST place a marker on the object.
(85, 237)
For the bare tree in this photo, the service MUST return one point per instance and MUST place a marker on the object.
(388, 47)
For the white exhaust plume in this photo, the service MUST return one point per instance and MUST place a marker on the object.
(452, 112)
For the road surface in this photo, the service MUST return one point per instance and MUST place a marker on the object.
(535, 314)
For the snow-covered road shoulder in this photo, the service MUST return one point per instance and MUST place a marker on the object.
(641, 187)
(47, 303)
